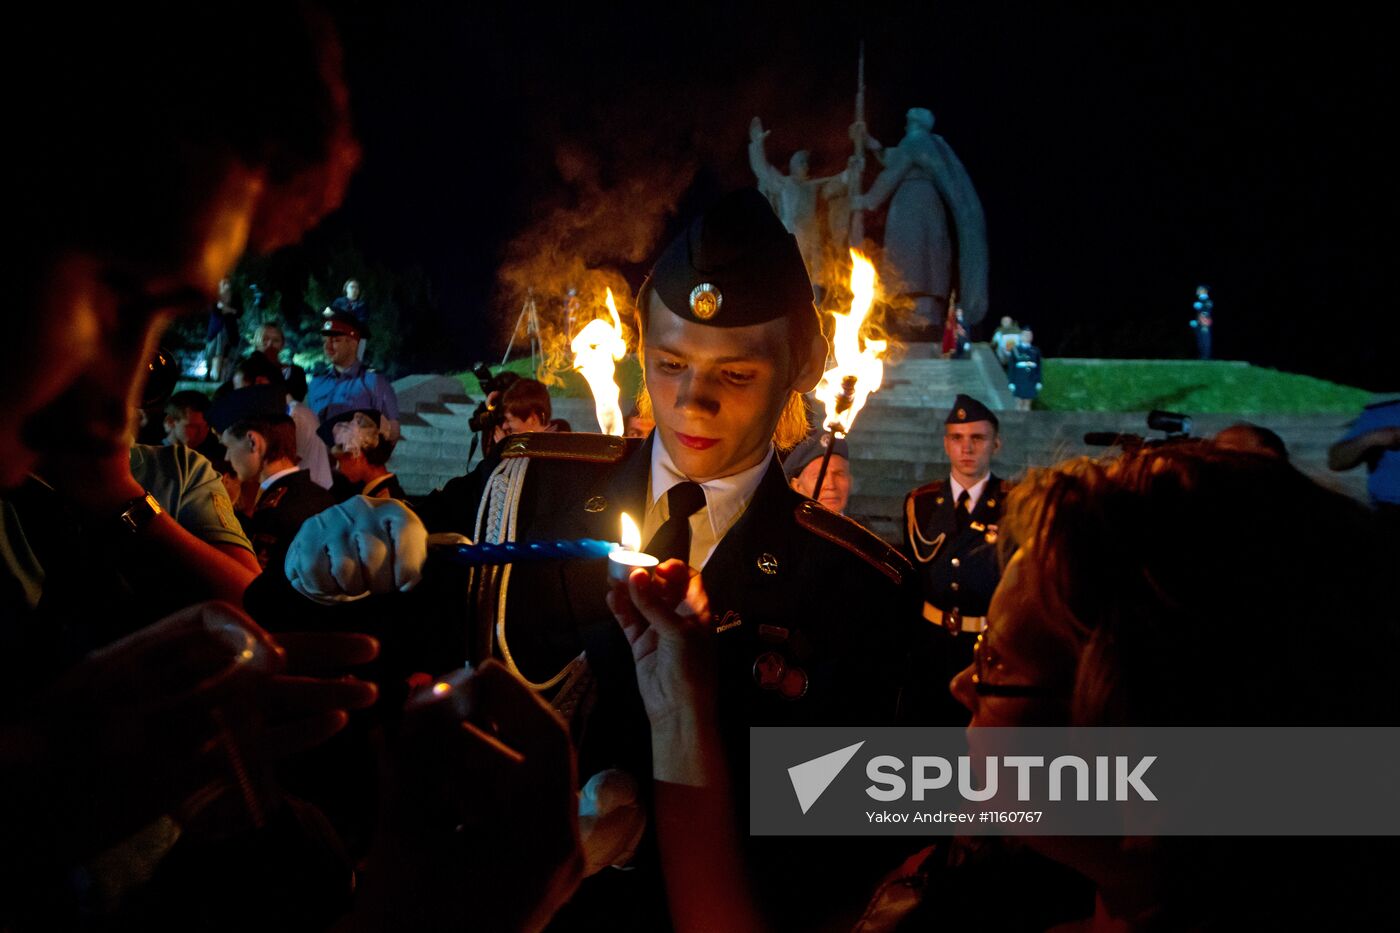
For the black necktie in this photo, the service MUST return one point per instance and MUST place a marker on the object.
(963, 516)
(672, 539)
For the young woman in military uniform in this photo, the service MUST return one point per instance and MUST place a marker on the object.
(809, 610)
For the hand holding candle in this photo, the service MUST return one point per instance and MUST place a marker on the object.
(628, 555)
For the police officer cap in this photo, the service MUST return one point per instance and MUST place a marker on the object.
(342, 322)
(811, 449)
(250, 402)
(735, 265)
(967, 409)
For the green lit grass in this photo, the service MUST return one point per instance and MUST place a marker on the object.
(564, 385)
(1190, 385)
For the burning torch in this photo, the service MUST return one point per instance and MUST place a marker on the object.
(597, 348)
(859, 368)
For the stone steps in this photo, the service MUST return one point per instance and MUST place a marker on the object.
(437, 439)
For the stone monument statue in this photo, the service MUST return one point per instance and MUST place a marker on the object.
(797, 199)
(935, 234)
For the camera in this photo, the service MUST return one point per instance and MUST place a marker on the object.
(1174, 425)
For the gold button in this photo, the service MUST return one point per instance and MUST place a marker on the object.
(954, 586)
(955, 562)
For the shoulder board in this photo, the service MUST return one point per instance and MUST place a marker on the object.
(928, 489)
(1005, 486)
(854, 537)
(589, 448)
(1384, 403)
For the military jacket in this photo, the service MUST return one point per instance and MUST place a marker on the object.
(279, 514)
(1023, 370)
(809, 607)
(957, 569)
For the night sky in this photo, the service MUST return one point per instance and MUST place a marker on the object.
(1122, 157)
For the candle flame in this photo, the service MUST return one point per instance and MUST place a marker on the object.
(631, 534)
(596, 349)
(859, 369)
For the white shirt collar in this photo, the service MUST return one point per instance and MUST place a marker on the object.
(262, 487)
(974, 492)
(726, 498)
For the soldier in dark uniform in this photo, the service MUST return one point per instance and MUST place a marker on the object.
(1023, 369)
(262, 445)
(810, 609)
(950, 535)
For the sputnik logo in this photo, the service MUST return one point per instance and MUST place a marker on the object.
(811, 778)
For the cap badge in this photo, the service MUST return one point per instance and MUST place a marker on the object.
(595, 504)
(962, 414)
(705, 301)
(768, 564)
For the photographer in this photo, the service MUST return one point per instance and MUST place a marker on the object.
(526, 408)
(513, 406)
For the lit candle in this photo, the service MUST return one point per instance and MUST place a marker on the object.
(628, 556)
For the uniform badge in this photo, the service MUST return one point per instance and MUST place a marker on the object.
(991, 503)
(595, 504)
(991, 535)
(768, 564)
(271, 499)
(731, 620)
(978, 526)
(938, 501)
(771, 672)
(769, 669)
(705, 301)
(793, 686)
(223, 510)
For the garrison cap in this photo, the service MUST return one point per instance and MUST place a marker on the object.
(967, 409)
(345, 323)
(813, 448)
(735, 265)
(261, 402)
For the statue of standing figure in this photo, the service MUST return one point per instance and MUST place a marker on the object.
(935, 233)
(797, 200)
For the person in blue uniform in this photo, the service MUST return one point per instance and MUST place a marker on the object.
(810, 610)
(950, 536)
(348, 383)
(1023, 369)
(1203, 321)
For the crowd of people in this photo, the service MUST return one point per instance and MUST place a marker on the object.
(233, 694)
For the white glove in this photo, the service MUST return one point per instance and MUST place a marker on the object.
(611, 820)
(356, 548)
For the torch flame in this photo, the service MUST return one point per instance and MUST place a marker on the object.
(596, 349)
(631, 534)
(859, 369)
